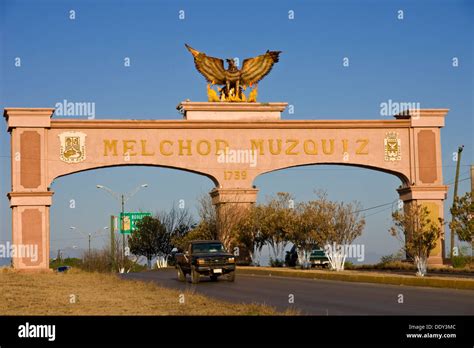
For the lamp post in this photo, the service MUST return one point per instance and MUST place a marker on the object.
(89, 235)
(122, 198)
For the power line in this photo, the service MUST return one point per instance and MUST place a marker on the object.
(83, 237)
(380, 211)
(375, 207)
(390, 203)
(452, 183)
(452, 180)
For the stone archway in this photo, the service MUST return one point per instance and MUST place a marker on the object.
(231, 143)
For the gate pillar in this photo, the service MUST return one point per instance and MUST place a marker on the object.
(30, 197)
(432, 198)
(231, 204)
(426, 171)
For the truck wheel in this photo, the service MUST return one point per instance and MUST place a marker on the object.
(181, 275)
(194, 276)
(231, 276)
(213, 278)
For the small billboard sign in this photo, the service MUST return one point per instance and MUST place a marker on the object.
(129, 221)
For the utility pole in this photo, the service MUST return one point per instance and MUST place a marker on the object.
(88, 235)
(472, 178)
(455, 194)
(122, 198)
(112, 240)
(121, 225)
(472, 195)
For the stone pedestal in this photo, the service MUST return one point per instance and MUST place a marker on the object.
(232, 205)
(30, 221)
(227, 111)
(431, 197)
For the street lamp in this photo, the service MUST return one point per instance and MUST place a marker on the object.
(89, 235)
(122, 198)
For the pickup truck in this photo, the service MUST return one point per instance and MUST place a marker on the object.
(205, 258)
(318, 258)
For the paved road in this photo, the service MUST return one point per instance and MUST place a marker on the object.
(324, 297)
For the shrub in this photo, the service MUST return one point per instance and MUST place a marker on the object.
(461, 261)
(398, 256)
(276, 262)
(349, 265)
(69, 261)
(396, 265)
(97, 261)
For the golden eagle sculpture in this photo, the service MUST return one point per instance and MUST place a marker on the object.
(233, 79)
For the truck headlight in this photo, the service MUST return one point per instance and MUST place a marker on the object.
(231, 260)
(201, 261)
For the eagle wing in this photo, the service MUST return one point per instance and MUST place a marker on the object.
(211, 68)
(255, 69)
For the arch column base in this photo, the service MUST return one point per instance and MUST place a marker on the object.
(231, 205)
(436, 260)
(243, 197)
(431, 197)
(30, 227)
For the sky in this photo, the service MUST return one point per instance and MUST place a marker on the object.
(407, 59)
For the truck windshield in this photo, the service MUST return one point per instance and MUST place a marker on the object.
(318, 252)
(208, 248)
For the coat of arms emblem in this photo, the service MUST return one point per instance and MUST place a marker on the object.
(392, 145)
(72, 147)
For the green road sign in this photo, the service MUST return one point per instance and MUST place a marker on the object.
(129, 221)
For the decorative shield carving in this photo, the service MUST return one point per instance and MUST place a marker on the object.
(392, 145)
(72, 147)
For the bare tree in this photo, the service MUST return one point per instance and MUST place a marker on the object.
(219, 222)
(208, 224)
(177, 221)
(125, 262)
(214, 224)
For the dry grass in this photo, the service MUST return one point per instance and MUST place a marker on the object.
(105, 294)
